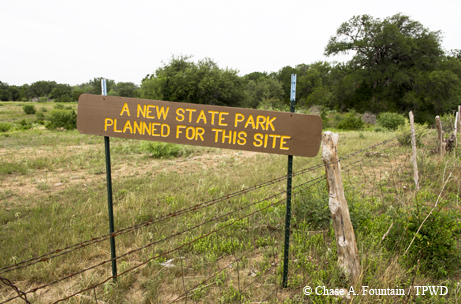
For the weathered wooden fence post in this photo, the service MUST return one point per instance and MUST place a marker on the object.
(413, 148)
(440, 145)
(348, 257)
(459, 119)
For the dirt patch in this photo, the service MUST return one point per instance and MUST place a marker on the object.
(44, 182)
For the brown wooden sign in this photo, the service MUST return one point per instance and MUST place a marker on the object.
(201, 125)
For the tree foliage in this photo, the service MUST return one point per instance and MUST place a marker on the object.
(202, 82)
(398, 65)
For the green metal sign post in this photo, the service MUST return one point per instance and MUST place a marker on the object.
(109, 194)
(289, 188)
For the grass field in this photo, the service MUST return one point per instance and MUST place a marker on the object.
(53, 195)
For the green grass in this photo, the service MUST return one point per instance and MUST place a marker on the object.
(37, 217)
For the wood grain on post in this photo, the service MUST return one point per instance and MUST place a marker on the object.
(413, 148)
(348, 257)
(459, 118)
(440, 146)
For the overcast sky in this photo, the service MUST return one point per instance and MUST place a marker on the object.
(72, 41)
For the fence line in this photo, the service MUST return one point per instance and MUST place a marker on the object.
(84, 244)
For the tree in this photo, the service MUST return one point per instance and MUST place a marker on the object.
(264, 89)
(202, 82)
(4, 94)
(61, 93)
(392, 59)
(41, 88)
(124, 89)
(76, 92)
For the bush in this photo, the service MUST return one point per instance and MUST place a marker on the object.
(312, 207)
(42, 99)
(434, 245)
(369, 118)
(324, 116)
(24, 125)
(405, 133)
(4, 127)
(43, 109)
(165, 150)
(390, 120)
(58, 106)
(40, 116)
(29, 109)
(62, 119)
(351, 122)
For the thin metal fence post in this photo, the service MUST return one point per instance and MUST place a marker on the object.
(109, 194)
(289, 187)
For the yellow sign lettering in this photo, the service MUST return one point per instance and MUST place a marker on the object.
(167, 132)
(149, 110)
(192, 134)
(125, 109)
(222, 118)
(106, 123)
(178, 129)
(137, 127)
(115, 126)
(144, 128)
(213, 113)
(161, 112)
(237, 119)
(259, 138)
(201, 116)
(259, 122)
(224, 136)
(127, 126)
(274, 139)
(217, 131)
(190, 113)
(154, 124)
(180, 113)
(242, 138)
(199, 131)
(141, 110)
(282, 142)
(250, 121)
(269, 122)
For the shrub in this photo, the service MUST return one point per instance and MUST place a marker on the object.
(58, 106)
(351, 122)
(369, 118)
(312, 207)
(164, 150)
(390, 120)
(4, 127)
(24, 125)
(62, 119)
(324, 116)
(43, 109)
(42, 99)
(435, 243)
(405, 133)
(29, 109)
(40, 116)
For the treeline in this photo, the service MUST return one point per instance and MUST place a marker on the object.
(60, 92)
(398, 65)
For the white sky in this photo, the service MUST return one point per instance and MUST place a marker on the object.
(72, 41)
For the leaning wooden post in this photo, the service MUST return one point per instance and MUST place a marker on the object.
(413, 148)
(438, 124)
(348, 257)
(455, 134)
(459, 119)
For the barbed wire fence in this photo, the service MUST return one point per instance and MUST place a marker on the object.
(234, 255)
